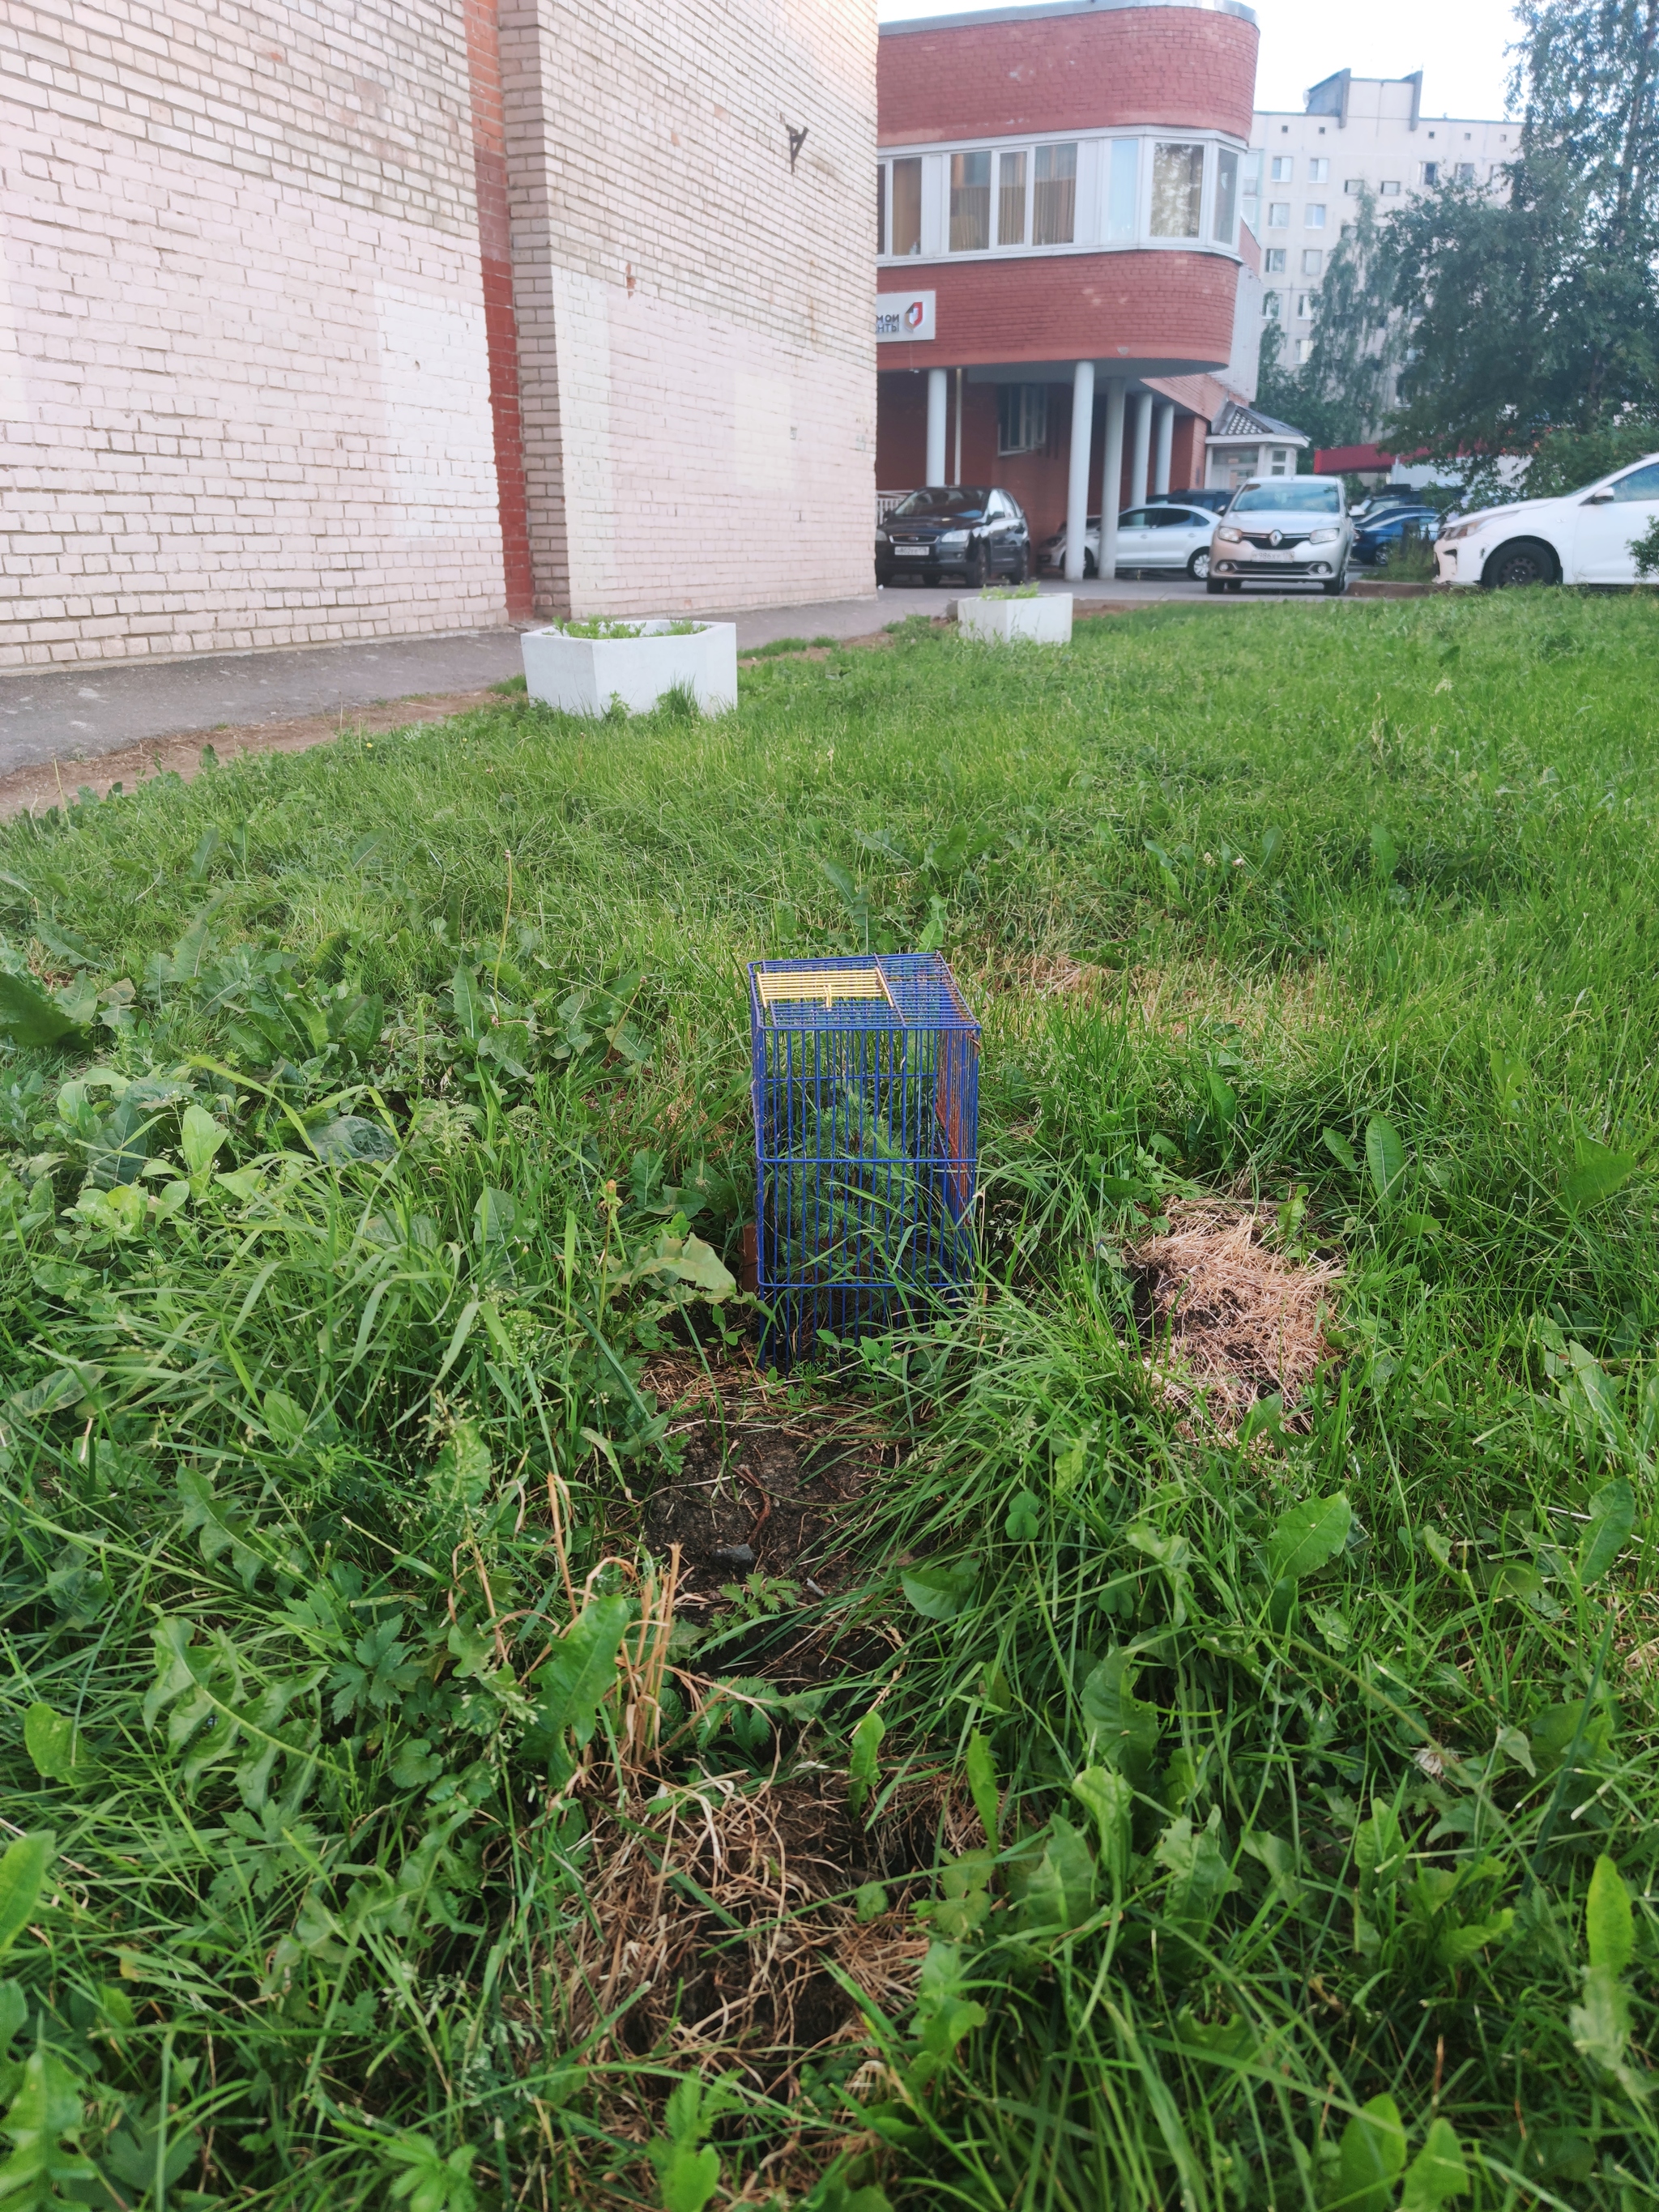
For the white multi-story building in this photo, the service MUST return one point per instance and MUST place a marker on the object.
(1305, 171)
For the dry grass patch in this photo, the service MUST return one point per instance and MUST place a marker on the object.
(1230, 1320)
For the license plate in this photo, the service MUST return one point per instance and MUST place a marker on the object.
(1274, 553)
(913, 552)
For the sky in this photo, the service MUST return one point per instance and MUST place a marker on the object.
(1457, 44)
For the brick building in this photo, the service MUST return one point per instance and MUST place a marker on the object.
(335, 319)
(1066, 293)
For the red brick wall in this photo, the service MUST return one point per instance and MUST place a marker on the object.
(1183, 67)
(1144, 307)
(484, 63)
(1186, 455)
(1038, 481)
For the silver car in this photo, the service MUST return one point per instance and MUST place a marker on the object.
(1284, 530)
(1164, 537)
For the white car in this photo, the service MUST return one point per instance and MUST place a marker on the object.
(1584, 537)
(1163, 536)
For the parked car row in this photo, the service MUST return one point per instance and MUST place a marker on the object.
(1284, 529)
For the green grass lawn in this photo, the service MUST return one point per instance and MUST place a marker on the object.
(1086, 1802)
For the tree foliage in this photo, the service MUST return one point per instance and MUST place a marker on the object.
(1538, 313)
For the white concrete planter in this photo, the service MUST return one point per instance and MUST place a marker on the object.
(583, 675)
(1045, 620)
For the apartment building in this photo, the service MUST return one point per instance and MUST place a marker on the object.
(1305, 171)
(1066, 297)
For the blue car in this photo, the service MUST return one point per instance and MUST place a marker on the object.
(1374, 541)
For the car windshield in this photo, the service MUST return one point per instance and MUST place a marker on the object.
(963, 501)
(1295, 495)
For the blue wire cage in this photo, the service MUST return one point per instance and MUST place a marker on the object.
(866, 1142)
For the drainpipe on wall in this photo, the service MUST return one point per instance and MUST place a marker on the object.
(957, 477)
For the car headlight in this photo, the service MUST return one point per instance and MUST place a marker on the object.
(882, 538)
(1230, 538)
(1458, 530)
(1324, 536)
(952, 537)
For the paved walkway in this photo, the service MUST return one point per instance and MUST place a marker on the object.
(89, 712)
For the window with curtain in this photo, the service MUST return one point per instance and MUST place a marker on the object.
(1010, 198)
(1225, 219)
(904, 224)
(1053, 209)
(1177, 190)
(1022, 417)
(970, 202)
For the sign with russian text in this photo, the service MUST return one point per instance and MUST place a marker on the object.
(904, 315)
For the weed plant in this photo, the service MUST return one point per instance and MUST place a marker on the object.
(373, 1118)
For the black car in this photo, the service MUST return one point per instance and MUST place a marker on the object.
(1380, 535)
(971, 531)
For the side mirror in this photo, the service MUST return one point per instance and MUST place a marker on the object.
(1599, 499)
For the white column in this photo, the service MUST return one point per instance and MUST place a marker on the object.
(1111, 478)
(936, 391)
(1165, 445)
(1077, 480)
(1140, 466)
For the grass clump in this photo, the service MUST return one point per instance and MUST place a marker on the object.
(1177, 1730)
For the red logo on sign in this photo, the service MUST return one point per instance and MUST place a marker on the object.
(915, 315)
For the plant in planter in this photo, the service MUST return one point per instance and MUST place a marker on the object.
(582, 667)
(1002, 617)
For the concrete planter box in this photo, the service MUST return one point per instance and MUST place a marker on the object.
(583, 675)
(1045, 620)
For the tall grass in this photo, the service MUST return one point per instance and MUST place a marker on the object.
(374, 1117)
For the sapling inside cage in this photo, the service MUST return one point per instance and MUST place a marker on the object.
(867, 1143)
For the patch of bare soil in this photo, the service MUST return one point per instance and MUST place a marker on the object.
(766, 1487)
(1228, 1320)
(33, 790)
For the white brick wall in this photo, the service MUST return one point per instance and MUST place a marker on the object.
(695, 334)
(242, 368)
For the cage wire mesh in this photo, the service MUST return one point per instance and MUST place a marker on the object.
(867, 1143)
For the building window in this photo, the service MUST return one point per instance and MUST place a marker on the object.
(1273, 261)
(1123, 190)
(1177, 190)
(1318, 172)
(1278, 461)
(1305, 303)
(904, 196)
(881, 207)
(1304, 347)
(1279, 215)
(1011, 199)
(1431, 170)
(1053, 211)
(1283, 168)
(970, 202)
(1226, 196)
(1390, 188)
(1271, 306)
(1313, 261)
(1466, 172)
(1315, 216)
(1251, 190)
(1022, 417)
(1354, 186)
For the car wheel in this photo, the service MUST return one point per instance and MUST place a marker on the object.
(1523, 561)
(1090, 566)
(975, 570)
(1337, 587)
(1214, 585)
(1199, 567)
